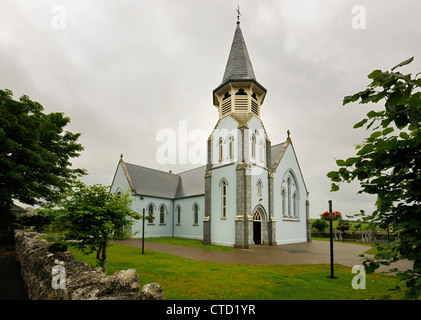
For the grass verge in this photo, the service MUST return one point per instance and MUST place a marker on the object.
(186, 279)
(189, 243)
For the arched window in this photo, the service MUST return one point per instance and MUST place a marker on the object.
(230, 148)
(220, 150)
(195, 214)
(178, 214)
(253, 146)
(162, 214)
(289, 195)
(283, 195)
(223, 185)
(259, 188)
(150, 213)
(261, 150)
(257, 216)
(294, 204)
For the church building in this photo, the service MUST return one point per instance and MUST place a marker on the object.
(249, 193)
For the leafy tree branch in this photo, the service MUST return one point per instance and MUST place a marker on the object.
(388, 164)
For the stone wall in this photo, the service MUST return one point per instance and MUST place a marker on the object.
(361, 236)
(74, 280)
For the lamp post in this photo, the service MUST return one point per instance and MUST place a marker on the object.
(143, 231)
(331, 243)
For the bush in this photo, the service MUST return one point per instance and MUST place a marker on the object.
(37, 221)
(320, 225)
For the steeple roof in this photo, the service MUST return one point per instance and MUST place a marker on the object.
(239, 65)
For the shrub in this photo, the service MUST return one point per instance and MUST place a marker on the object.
(320, 225)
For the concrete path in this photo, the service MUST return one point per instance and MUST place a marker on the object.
(315, 252)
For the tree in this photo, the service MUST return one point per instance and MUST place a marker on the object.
(388, 164)
(320, 225)
(35, 152)
(342, 227)
(39, 221)
(93, 217)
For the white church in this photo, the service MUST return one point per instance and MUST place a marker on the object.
(249, 193)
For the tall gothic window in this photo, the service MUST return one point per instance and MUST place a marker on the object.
(253, 146)
(224, 198)
(195, 214)
(220, 150)
(283, 195)
(290, 196)
(230, 148)
(162, 214)
(150, 212)
(294, 204)
(259, 188)
(178, 214)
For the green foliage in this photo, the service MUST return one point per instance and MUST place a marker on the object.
(35, 152)
(388, 164)
(343, 226)
(39, 221)
(320, 225)
(93, 217)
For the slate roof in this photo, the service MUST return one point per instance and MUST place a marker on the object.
(191, 183)
(151, 182)
(275, 150)
(239, 65)
(161, 184)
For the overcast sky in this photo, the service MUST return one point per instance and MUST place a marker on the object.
(124, 70)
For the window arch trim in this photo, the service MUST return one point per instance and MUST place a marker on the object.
(223, 180)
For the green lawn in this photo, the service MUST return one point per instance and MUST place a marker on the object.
(189, 243)
(183, 278)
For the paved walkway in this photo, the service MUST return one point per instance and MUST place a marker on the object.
(315, 252)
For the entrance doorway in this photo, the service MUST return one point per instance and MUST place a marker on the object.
(257, 227)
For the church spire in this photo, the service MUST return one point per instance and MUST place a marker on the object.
(239, 65)
(239, 91)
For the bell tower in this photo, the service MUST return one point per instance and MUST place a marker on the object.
(238, 179)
